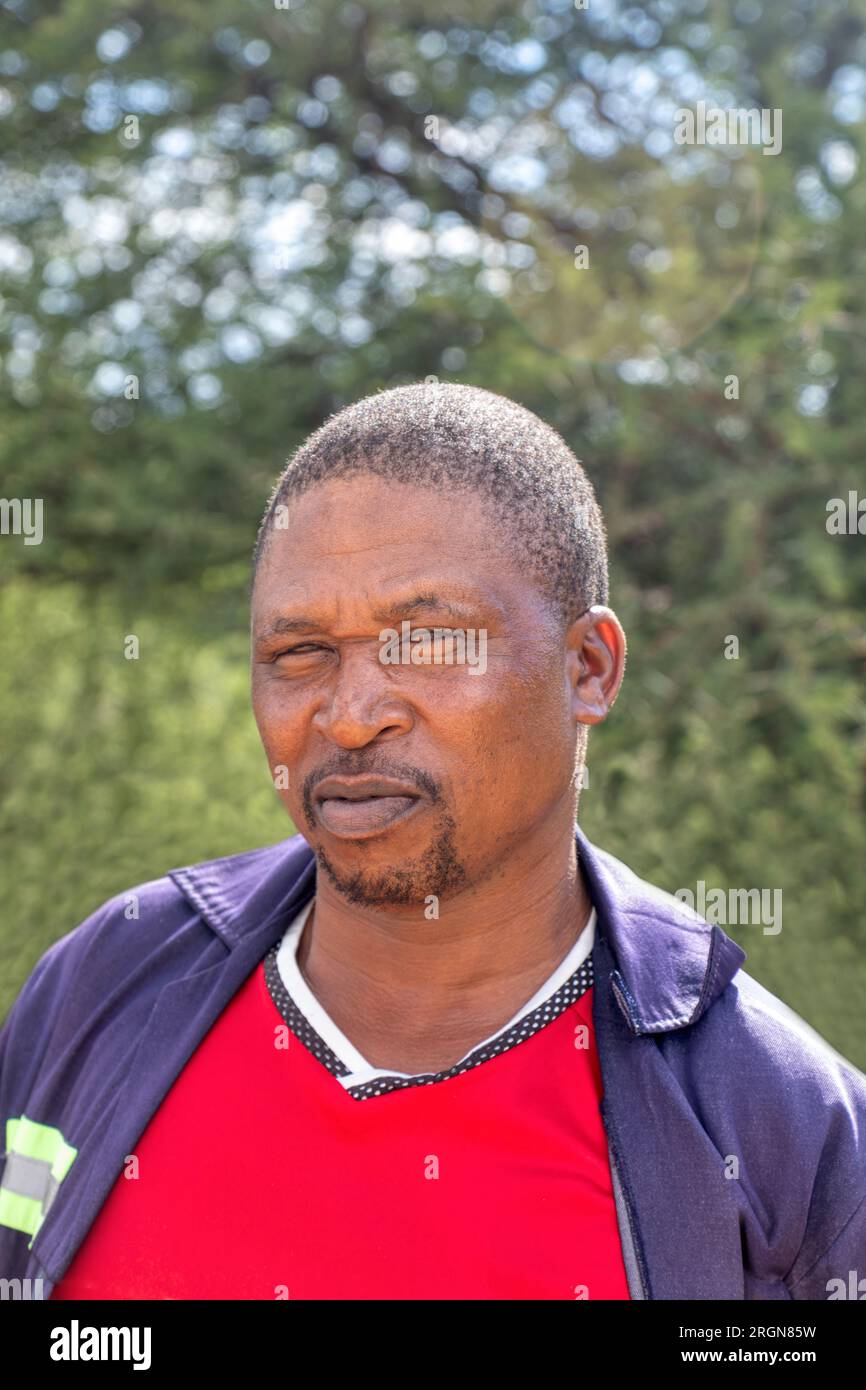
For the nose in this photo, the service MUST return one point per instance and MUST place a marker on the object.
(361, 704)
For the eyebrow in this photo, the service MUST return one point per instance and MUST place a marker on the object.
(401, 608)
(281, 627)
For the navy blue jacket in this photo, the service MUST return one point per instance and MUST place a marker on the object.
(737, 1136)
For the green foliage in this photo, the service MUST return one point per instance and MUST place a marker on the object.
(115, 770)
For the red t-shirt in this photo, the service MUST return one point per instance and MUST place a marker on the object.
(265, 1174)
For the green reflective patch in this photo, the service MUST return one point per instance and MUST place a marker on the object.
(43, 1147)
(33, 1140)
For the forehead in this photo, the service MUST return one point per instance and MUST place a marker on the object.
(364, 535)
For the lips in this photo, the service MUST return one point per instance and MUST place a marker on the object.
(359, 807)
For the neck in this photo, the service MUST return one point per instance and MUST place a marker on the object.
(415, 995)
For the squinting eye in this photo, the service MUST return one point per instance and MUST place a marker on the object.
(301, 650)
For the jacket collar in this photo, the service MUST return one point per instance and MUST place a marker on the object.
(670, 964)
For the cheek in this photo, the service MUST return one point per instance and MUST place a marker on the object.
(278, 719)
(526, 715)
(508, 746)
(281, 755)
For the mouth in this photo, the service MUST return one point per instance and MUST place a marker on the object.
(361, 807)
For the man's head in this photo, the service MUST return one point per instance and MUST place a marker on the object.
(434, 506)
(467, 440)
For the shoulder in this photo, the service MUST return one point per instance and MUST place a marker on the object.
(757, 1064)
(788, 1083)
(779, 1045)
(113, 961)
(142, 935)
(126, 925)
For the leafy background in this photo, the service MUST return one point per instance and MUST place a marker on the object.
(315, 202)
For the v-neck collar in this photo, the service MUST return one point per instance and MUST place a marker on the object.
(317, 1030)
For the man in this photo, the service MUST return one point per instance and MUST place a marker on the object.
(436, 1045)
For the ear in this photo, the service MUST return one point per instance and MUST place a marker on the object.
(596, 663)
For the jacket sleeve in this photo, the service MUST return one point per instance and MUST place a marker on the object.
(24, 1049)
(23, 1042)
(29, 1037)
(841, 1271)
(832, 1258)
(67, 1041)
(83, 984)
(771, 1092)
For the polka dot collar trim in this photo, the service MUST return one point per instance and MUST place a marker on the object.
(525, 1025)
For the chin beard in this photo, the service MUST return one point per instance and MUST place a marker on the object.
(436, 874)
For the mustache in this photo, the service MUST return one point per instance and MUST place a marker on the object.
(357, 763)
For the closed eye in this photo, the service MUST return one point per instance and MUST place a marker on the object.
(301, 649)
